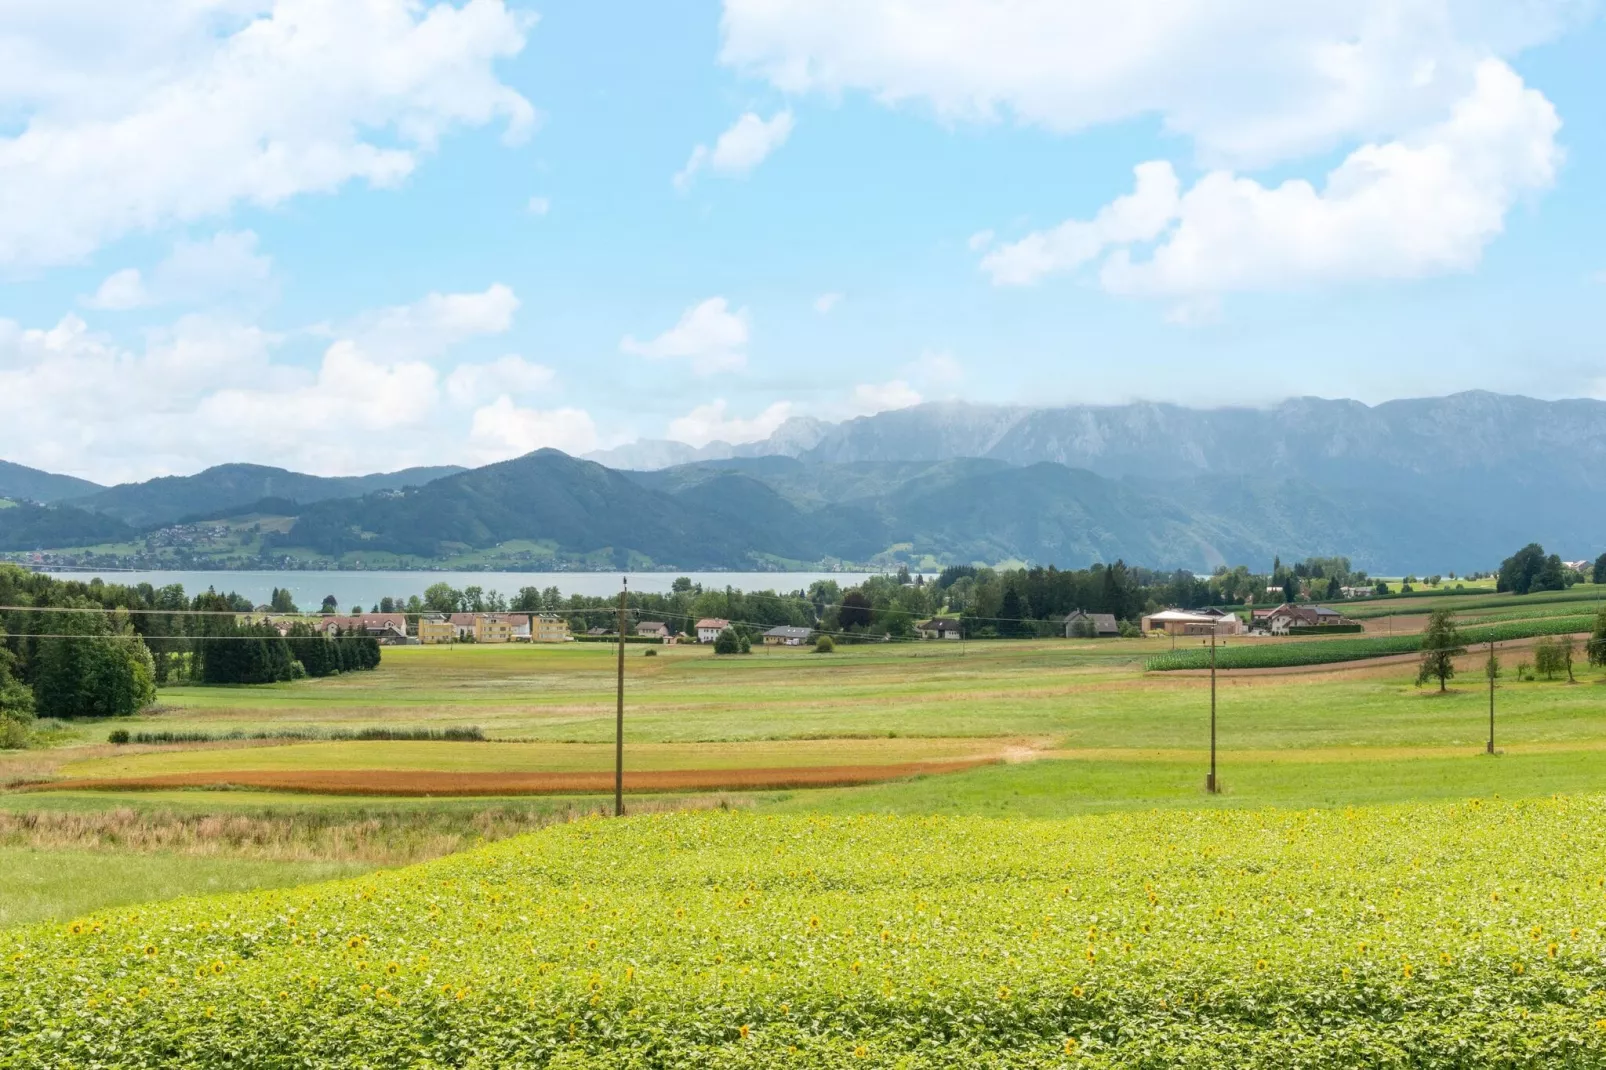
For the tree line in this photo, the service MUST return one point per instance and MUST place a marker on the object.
(70, 648)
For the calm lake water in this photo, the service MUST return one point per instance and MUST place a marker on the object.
(367, 588)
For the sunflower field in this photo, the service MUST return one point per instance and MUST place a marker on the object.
(1460, 935)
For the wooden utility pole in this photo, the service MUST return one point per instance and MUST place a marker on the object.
(619, 716)
(1489, 671)
(1210, 781)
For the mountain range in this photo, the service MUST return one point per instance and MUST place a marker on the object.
(1424, 484)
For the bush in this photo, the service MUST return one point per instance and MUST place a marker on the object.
(731, 641)
(824, 645)
(650, 652)
(13, 735)
(118, 736)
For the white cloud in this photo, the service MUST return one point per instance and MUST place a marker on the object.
(1248, 81)
(208, 390)
(501, 430)
(136, 116)
(826, 302)
(227, 263)
(539, 205)
(709, 336)
(870, 398)
(1137, 217)
(744, 146)
(470, 384)
(709, 423)
(429, 327)
(980, 240)
(1425, 204)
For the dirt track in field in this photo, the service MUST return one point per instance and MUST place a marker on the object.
(405, 782)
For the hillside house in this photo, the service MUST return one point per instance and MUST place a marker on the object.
(436, 631)
(710, 628)
(653, 629)
(1193, 623)
(549, 629)
(939, 628)
(1104, 624)
(787, 635)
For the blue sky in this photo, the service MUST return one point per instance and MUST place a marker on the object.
(352, 235)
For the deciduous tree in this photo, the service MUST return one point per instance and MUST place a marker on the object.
(1441, 644)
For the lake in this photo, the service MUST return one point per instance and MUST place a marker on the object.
(367, 588)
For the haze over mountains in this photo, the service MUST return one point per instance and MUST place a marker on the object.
(1416, 485)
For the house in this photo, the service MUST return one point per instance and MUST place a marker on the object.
(1102, 623)
(1357, 592)
(1188, 622)
(522, 627)
(549, 629)
(598, 631)
(939, 628)
(787, 635)
(709, 628)
(388, 628)
(434, 631)
(463, 625)
(1287, 617)
(653, 629)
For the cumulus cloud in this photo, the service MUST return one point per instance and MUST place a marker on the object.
(429, 327)
(503, 429)
(194, 272)
(469, 384)
(1249, 82)
(130, 117)
(744, 146)
(709, 336)
(208, 390)
(1424, 204)
(712, 423)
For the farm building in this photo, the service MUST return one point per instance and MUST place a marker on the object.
(1190, 622)
(389, 628)
(1286, 617)
(939, 628)
(787, 635)
(1079, 622)
(653, 629)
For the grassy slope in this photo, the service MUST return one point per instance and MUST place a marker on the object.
(44, 884)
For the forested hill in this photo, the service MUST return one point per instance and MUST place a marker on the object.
(228, 486)
(21, 483)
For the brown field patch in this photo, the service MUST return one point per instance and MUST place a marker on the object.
(425, 783)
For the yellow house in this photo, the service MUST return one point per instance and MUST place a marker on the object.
(435, 630)
(491, 628)
(550, 630)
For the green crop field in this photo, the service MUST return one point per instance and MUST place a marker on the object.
(1264, 655)
(1097, 792)
(1454, 935)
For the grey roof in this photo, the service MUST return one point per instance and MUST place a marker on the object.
(789, 631)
